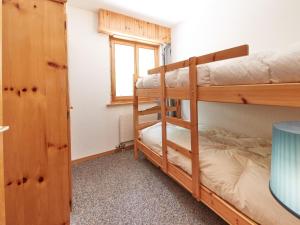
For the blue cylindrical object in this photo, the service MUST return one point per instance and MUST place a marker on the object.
(285, 166)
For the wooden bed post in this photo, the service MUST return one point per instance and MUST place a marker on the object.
(163, 119)
(135, 119)
(194, 126)
(178, 108)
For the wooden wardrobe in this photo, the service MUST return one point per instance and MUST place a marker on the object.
(36, 152)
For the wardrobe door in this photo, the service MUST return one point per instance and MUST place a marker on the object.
(2, 194)
(36, 148)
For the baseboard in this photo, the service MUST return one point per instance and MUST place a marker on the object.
(99, 155)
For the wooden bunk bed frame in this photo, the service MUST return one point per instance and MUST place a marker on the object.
(287, 94)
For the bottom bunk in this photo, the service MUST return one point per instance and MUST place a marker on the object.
(234, 172)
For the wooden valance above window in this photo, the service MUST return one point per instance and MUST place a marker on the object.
(117, 24)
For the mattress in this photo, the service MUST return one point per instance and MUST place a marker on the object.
(234, 166)
(261, 68)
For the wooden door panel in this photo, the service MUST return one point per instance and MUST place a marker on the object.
(36, 149)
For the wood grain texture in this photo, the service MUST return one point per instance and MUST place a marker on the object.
(180, 149)
(152, 110)
(135, 119)
(223, 209)
(178, 108)
(117, 24)
(163, 106)
(148, 92)
(178, 93)
(2, 183)
(147, 124)
(260, 94)
(194, 125)
(180, 177)
(178, 122)
(59, 1)
(36, 153)
(149, 153)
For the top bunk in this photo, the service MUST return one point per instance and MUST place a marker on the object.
(229, 76)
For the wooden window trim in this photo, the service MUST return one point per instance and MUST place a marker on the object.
(122, 100)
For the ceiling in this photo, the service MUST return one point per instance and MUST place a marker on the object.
(163, 12)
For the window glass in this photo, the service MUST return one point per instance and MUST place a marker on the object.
(124, 69)
(146, 61)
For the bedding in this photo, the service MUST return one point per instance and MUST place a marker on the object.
(234, 166)
(261, 68)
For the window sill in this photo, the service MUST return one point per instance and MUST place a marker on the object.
(123, 103)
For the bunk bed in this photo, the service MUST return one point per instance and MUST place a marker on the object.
(164, 156)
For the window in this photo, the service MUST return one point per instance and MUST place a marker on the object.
(128, 61)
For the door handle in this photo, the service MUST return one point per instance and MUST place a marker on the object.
(4, 128)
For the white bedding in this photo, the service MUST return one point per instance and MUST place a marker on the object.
(262, 68)
(234, 166)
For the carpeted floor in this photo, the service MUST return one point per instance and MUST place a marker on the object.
(119, 190)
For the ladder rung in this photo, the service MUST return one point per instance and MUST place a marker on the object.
(180, 149)
(156, 109)
(147, 124)
(152, 110)
(178, 122)
(172, 109)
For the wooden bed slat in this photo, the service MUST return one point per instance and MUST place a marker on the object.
(148, 92)
(180, 176)
(223, 209)
(147, 124)
(149, 153)
(178, 122)
(156, 109)
(242, 50)
(261, 94)
(172, 109)
(194, 126)
(178, 93)
(170, 67)
(152, 110)
(180, 149)
(163, 120)
(230, 53)
(135, 119)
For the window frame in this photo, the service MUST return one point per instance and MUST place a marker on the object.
(136, 45)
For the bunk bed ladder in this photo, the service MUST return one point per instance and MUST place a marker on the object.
(135, 119)
(163, 119)
(191, 125)
(194, 126)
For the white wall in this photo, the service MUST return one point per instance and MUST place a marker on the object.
(94, 126)
(216, 25)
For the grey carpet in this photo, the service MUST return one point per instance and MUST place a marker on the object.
(119, 190)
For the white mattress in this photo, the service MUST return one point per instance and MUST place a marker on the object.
(262, 68)
(234, 166)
